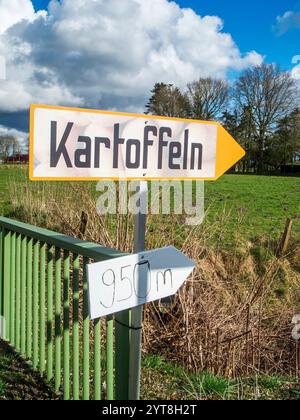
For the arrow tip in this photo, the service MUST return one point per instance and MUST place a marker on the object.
(229, 152)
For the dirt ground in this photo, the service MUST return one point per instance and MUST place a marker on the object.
(18, 381)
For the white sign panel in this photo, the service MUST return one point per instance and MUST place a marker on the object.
(68, 143)
(127, 282)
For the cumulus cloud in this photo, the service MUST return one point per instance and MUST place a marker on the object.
(108, 54)
(13, 11)
(21, 136)
(289, 20)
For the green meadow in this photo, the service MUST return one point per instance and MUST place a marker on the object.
(246, 207)
(253, 207)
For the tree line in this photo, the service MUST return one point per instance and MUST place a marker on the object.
(261, 110)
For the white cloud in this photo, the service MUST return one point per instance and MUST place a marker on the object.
(13, 11)
(19, 135)
(108, 54)
(289, 20)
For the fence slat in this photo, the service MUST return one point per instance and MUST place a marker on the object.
(57, 318)
(12, 288)
(23, 294)
(42, 307)
(18, 292)
(36, 255)
(6, 292)
(97, 360)
(86, 336)
(29, 300)
(50, 315)
(66, 336)
(110, 358)
(75, 327)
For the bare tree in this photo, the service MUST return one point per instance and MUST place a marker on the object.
(9, 146)
(208, 98)
(269, 94)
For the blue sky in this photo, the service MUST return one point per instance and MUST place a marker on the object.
(251, 23)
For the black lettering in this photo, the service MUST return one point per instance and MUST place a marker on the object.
(174, 153)
(137, 158)
(163, 278)
(147, 143)
(57, 152)
(162, 143)
(98, 141)
(117, 142)
(196, 146)
(186, 145)
(83, 153)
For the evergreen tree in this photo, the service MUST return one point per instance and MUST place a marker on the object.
(168, 101)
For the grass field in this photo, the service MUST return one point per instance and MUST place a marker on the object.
(248, 206)
(253, 206)
(8, 175)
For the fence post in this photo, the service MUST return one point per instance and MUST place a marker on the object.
(137, 313)
(122, 333)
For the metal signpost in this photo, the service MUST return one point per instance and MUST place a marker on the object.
(137, 313)
(79, 144)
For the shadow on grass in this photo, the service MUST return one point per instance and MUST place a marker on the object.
(18, 381)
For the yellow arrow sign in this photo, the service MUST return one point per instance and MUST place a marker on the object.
(229, 152)
(82, 144)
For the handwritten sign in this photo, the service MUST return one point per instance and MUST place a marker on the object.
(127, 282)
(81, 144)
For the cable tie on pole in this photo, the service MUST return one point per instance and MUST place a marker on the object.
(128, 326)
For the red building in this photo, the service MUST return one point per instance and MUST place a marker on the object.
(18, 159)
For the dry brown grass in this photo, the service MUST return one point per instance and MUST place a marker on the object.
(233, 315)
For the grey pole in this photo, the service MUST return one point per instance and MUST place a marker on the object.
(137, 313)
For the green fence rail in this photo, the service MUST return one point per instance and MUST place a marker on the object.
(44, 304)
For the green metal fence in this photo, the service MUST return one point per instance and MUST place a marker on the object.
(44, 302)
